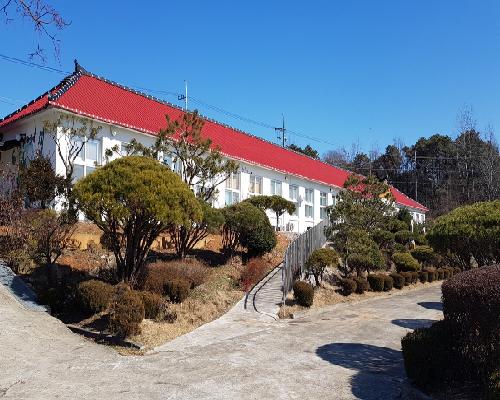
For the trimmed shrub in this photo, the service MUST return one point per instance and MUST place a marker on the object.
(493, 389)
(471, 302)
(423, 276)
(362, 284)
(127, 314)
(440, 273)
(349, 286)
(399, 248)
(424, 254)
(94, 296)
(376, 282)
(428, 356)
(405, 262)
(303, 292)
(319, 260)
(403, 237)
(177, 290)
(448, 272)
(456, 270)
(158, 273)
(414, 277)
(407, 276)
(253, 271)
(399, 280)
(420, 239)
(388, 283)
(153, 304)
(431, 275)
(472, 230)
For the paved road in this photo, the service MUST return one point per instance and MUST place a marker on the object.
(348, 351)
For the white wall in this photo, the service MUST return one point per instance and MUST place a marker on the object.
(110, 135)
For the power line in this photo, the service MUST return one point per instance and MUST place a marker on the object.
(176, 94)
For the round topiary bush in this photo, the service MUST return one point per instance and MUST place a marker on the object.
(440, 274)
(407, 277)
(319, 260)
(127, 313)
(471, 302)
(472, 230)
(456, 270)
(424, 254)
(423, 276)
(376, 282)
(303, 292)
(94, 296)
(349, 286)
(153, 304)
(405, 262)
(414, 277)
(362, 284)
(177, 290)
(403, 237)
(432, 275)
(399, 280)
(388, 283)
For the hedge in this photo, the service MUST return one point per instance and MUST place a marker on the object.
(376, 282)
(349, 286)
(388, 283)
(362, 284)
(407, 276)
(94, 296)
(471, 302)
(423, 276)
(303, 292)
(399, 280)
(127, 314)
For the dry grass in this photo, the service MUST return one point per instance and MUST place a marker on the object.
(205, 303)
(328, 295)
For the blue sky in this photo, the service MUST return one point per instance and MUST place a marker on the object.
(341, 72)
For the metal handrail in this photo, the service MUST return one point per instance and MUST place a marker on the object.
(299, 251)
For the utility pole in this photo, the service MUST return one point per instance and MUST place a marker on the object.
(282, 132)
(184, 96)
(416, 177)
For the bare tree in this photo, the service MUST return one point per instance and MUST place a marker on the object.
(45, 19)
(70, 134)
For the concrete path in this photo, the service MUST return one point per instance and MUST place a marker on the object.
(349, 351)
(265, 298)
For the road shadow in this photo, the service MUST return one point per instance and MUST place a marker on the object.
(431, 305)
(379, 370)
(413, 323)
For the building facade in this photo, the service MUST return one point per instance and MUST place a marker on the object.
(123, 114)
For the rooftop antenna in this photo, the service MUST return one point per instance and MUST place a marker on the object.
(282, 132)
(184, 96)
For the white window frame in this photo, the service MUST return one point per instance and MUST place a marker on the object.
(323, 214)
(274, 185)
(294, 198)
(232, 189)
(82, 161)
(309, 203)
(253, 184)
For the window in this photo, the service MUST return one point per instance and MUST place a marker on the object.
(276, 187)
(255, 186)
(232, 189)
(309, 211)
(293, 194)
(323, 203)
(309, 203)
(88, 157)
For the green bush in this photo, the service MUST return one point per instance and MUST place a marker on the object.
(407, 276)
(403, 237)
(177, 290)
(399, 280)
(401, 248)
(420, 239)
(395, 225)
(471, 302)
(428, 356)
(303, 293)
(127, 313)
(432, 275)
(388, 283)
(423, 276)
(424, 254)
(376, 282)
(405, 262)
(94, 296)
(493, 388)
(248, 226)
(414, 277)
(440, 273)
(362, 284)
(349, 286)
(319, 260)
(472, 230)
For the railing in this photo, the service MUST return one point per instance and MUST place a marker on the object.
(298, 252)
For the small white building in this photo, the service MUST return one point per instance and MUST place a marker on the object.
(123, 114)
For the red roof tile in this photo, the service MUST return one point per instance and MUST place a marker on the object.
(100, 99)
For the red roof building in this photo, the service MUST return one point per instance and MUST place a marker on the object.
(97, 98)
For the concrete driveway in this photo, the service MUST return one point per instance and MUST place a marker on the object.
(348, 351)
